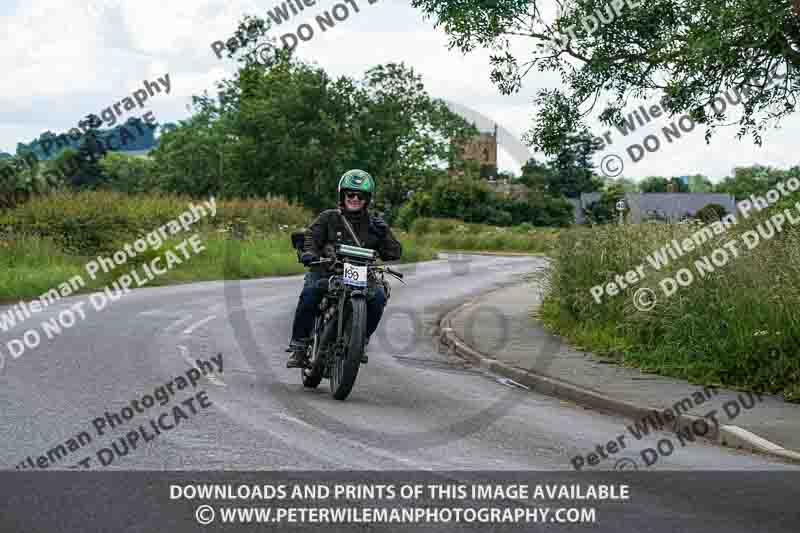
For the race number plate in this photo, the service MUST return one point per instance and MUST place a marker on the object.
(355, 275)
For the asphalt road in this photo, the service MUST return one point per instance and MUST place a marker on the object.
(411, 408)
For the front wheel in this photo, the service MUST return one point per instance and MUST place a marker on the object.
(345, 367)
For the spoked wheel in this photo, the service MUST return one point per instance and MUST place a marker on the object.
(345, 365)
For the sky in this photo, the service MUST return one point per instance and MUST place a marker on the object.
(65, 59)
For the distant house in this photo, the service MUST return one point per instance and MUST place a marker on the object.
(669, 206)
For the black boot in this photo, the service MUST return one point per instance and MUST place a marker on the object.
(364, 357)
(298, 359)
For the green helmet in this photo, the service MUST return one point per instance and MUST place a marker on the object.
(356, 180)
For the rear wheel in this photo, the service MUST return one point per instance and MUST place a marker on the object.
(345, 367)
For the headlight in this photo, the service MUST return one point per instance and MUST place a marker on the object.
(334, 283)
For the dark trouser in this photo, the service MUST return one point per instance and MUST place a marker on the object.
(314, 288)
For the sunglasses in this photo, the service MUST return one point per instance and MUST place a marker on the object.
(352, 195)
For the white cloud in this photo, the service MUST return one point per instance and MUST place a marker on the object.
(67, 58)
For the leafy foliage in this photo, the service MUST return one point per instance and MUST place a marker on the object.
(569, 172)
(688, 51)
(130, 174)
(756, 179)
(604, 211)
(661, 184)
(22, 177)
(470, 199)
(289, 127)
(736, 327)
(711, 213)
(92, 222)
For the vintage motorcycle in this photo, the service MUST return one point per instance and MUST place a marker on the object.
(337, 341)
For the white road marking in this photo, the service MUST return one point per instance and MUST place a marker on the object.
(152, 312)
(211, 377)
(190, 329)
(288, 418)
(179, 321)
(511, 383)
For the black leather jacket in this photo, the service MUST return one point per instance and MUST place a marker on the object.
(372, 231)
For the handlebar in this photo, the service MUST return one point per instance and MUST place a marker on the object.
(399, 275)
(394, 272)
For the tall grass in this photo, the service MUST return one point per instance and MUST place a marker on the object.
(101, 221)
(33, 265)
(51, 238)
(452, 234)
(737, 326)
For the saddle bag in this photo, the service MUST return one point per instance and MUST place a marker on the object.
(301, 242)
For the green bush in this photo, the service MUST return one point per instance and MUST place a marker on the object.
(546, 210)
(439, 226)
(128, 173)
(711, 213)
(452, 197)
(93, 222)
(604, 211)
(488, 214)
(420, 205)
(525, 227)
(538, 210)
(480, 237)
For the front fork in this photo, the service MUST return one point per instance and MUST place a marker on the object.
(357, 293)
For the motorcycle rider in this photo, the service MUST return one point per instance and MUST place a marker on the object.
(355, 191)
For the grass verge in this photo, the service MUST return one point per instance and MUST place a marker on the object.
(736, 325)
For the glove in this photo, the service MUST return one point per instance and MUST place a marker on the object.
(380, 227)
(307, 258)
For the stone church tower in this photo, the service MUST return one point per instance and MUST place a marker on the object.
(482, 149)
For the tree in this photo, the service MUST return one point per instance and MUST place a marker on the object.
(22, 177)
(756, 179)
(572, 169)
(604, 211)
(130, 174)
(569, 172)
(654, 184)
(536, 176)
(457, 197)
(700, 183)
(289, 128)
(690, 52)
(403, 132)
(624, 184)
(506, 175)
(676, 184)
(87, 173)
